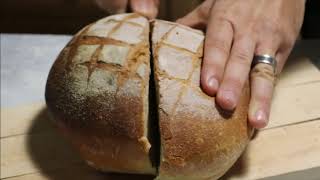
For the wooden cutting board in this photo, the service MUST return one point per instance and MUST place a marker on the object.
(289, 148)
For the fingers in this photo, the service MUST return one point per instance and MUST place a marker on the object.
(198, 17)
(148, 8)
(112, 6)
(216, 52)
(236, 72)
(262, 82)
(262, 85)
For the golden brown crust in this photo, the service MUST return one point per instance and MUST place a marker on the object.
(199, 141)
(97, 91)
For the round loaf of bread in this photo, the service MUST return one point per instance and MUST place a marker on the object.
(129, 112)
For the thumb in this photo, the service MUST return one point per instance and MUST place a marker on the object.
(111, 6)
(198, 17)
(148, 8)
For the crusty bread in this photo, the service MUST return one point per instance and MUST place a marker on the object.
(98, 93)
(198, 140)
(97, 90)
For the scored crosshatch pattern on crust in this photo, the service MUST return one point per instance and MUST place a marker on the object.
(168, 40)
(193, 134)
(98, 88)
(107, 50)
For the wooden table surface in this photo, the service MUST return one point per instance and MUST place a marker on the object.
(289, 148)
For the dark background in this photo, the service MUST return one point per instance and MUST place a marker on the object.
(311, 25)
(69, 16)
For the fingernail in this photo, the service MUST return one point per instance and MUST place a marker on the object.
(213, 84)
(229, 100)
(261, 118)
(144, 7)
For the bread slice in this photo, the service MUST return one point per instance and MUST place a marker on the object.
(198, 140)
(97, 90)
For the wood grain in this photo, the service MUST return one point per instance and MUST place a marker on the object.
(25, 154)
(18, 120)
(295, 104)
(288, 148)
(298, 70)
(279, 151)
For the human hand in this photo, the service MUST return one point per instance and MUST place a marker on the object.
(149, 8)
(236, 30)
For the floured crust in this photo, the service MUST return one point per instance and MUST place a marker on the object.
(98, 93)
(198, 141)
(97, 90)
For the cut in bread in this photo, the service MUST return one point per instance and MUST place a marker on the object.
(198, 140)
(97, 90)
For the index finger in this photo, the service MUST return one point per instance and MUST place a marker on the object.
(217, 47)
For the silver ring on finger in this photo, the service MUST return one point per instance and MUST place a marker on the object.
(265, 59)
